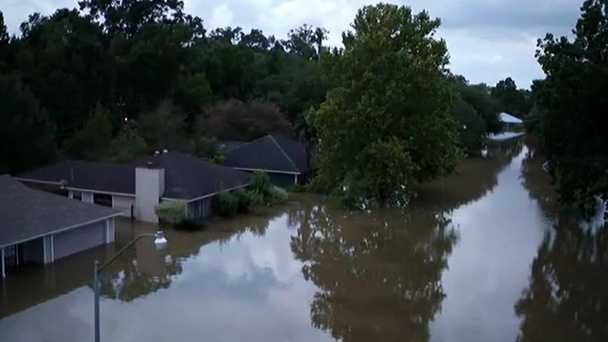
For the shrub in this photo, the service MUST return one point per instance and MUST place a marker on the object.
(172, 212)
(264, 192)
(227, 204)
(278, 194)
(245, 200)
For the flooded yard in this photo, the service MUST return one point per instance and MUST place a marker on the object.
(482, 255)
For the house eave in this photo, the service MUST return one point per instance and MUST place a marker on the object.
(57, 231)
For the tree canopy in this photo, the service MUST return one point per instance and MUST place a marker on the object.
(573, 100)
(388, 122)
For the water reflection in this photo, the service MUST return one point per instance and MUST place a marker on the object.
(378, 275)
(567, 295)
(471, 181)
(567, 299)
(450, 268)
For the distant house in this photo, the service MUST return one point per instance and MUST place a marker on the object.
(509, 122)
(137, 189)
(285, 160)
(41, 227)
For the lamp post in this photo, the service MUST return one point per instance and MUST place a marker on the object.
(160, 242)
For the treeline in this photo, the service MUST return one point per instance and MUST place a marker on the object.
(114, 80)
(570, 106)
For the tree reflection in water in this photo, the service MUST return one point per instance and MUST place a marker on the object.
(379, 275)
(567, 298)
(144, 270)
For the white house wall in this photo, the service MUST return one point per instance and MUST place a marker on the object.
(123, 204)
(149, 187)
(87, 197)
(79, 239)
(200, 209)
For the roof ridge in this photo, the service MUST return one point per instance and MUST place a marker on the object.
(284, 153)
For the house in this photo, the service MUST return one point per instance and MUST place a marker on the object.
(509, 122)
(41, 227)
(285, 160)
(137, 189)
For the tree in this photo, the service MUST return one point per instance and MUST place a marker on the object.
(91, 141)
(306, 41)
(511, 99)
(26, 134)
(388, 124)
(470, 126)
(236, 120)
(63, 60)
(130, 16)
(127, 146)
(573, 99)
(479, 97)
(4, 41)
(163, 126)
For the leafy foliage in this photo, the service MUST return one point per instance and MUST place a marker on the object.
(227, 203)
(511, 99)
(127, 146)
(91, 141)
(236, 120)
(263, 192)
(387, 124)
(573, 100)
(172, 212)
(27, 136)
(471, 126)
(151, 62)
(162, 127)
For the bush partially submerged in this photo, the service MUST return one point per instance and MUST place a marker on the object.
(227, 204)
(264, 192)
(261, 192)
(172, 212)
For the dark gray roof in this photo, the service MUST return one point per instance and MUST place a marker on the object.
(87, 175)
(188, 177)
(228, 145)
(27, 213)
(271, 152)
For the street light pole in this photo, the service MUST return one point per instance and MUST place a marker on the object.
(159, 242)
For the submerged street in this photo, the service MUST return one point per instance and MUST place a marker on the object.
(482, 255)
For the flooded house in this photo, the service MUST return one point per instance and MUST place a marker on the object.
(284, 159)
(138, 188)
(40, 227)
(510, 122)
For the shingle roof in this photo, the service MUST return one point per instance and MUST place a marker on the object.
(87, 175)
(228, 145)
(188, 177)
(271, 152)
(27, 213)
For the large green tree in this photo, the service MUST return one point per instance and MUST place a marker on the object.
(388, 124)
(510, 98)
(26, 133)
(573, 99)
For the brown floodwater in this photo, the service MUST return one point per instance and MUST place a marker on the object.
(483, 255)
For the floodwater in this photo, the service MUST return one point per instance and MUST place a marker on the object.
(483, 255)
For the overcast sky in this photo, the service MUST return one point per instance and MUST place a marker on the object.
(488, 40)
